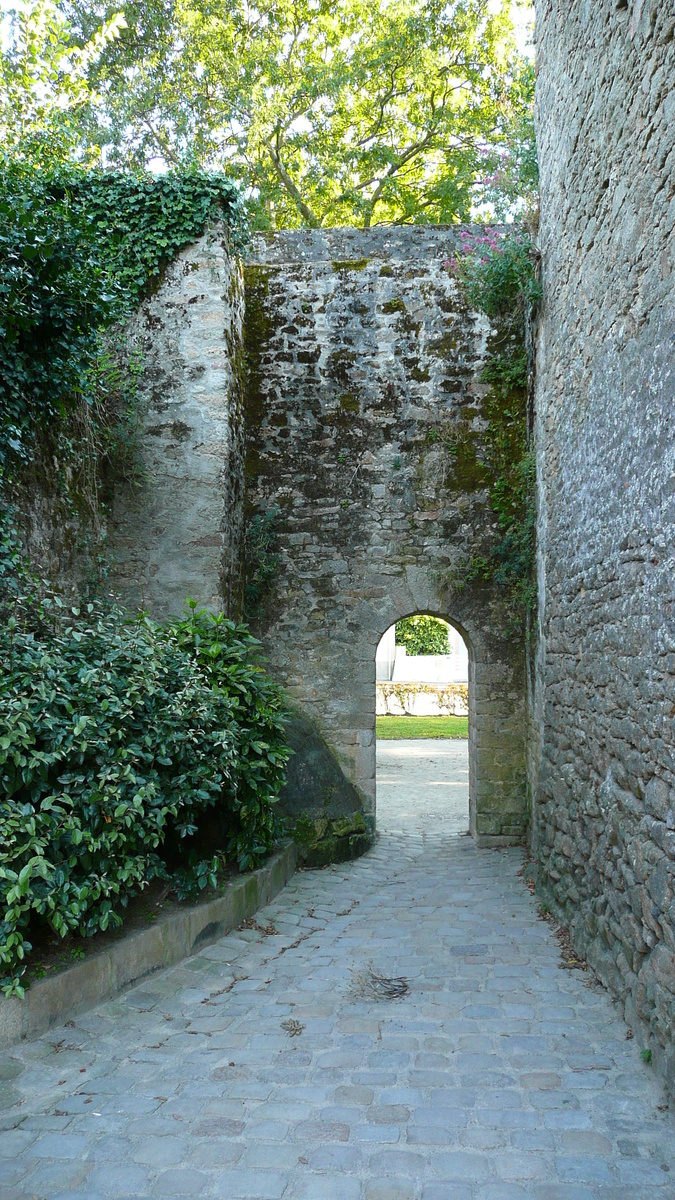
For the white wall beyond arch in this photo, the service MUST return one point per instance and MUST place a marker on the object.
(395, 664)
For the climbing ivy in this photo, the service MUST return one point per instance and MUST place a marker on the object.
(497, 273)
(78, 249)
(143, 221)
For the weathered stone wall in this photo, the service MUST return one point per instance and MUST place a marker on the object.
(364, 376)
(55, 506)
(605, 815)
(177, 533)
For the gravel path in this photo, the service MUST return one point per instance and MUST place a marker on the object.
(272, 1065)
(423, 784)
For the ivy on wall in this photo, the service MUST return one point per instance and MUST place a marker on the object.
(498, 274)
(78, 249)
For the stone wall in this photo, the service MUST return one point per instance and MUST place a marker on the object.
(364, 375)
(177, 534)
(605, 813)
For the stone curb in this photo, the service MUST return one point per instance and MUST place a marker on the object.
(53, 1001)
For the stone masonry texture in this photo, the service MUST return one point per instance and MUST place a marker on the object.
(176, 533)
(263, 1070)
(364, 371)
(605, 813)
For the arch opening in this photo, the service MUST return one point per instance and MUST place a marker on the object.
(423, 671)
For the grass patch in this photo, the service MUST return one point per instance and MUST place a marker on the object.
(389, 728)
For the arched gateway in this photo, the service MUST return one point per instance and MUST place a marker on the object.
(360, 409)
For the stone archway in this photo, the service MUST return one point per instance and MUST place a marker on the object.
(496, 732)
(422, 773)
(364, 363)
(473, 725)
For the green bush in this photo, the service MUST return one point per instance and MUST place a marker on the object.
(121, 740)
(423, 635)
(497, 271)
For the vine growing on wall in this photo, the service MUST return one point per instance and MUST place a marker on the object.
(498, 275)
(78, 249)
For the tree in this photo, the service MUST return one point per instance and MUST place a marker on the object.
(330, 112)
(44, 92)
(423, 635)
(510, 182)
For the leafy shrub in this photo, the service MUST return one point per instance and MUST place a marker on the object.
(120, 739)
(497, 271)
(423, 635)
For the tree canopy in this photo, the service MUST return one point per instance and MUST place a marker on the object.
(45, 97)
(330, 112)
(423, 635)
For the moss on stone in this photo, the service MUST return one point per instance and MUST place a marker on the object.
(339, 364)
(349, 402)
(324, 840)
(444, 346)
(350, 264)
(393, 306)
(467, 473)
(258, 326)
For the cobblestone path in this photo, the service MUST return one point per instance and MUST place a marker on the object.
(260, 1070)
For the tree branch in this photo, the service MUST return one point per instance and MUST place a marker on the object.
(161, 143)
(287, 182)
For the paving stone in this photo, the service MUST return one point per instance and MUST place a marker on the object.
(377, 1133)
(59, 1145)
(587, 1170)
(64, 1175)
(462, 1165)
(239, 1184)
(12, 1172)
(14, 1141)
(390, 1189)
(183, 1181)
(321, 1187)
(566, 1191)
(447, 1190)
(218, 1153)
(502, 1191)
(160, 1151)
(118, 1179)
